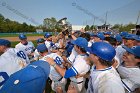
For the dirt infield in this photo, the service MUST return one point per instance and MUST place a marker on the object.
(30, 38)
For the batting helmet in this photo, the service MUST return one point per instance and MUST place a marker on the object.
(103, 50)
(22, 36)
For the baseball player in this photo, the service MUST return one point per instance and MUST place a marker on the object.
(121, 40)
(48, 42)
(25, 45)
(137, 41)
(129, 70)
(107, 34)
(79, 66)
(36, 54)
(99, 37)
(11, 60)
(57, 79)
(104, 78)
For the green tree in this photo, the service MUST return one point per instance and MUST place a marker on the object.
(122, 27)
(7, 25)
(87, 28)
(50, 23)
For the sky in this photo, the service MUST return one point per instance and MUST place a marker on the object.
(78, 12)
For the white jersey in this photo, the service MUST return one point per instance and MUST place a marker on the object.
(54, 75)
(119, 53)
(130, 77)
(27, 48)
(80, 66)
(11, 63)
(48, 45)
(105, 81)
(36, 55)
(90, 44)
(72, 56)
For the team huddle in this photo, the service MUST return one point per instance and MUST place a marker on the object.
(85, 62)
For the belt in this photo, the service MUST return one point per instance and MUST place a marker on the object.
(60, 79)
(78, 82)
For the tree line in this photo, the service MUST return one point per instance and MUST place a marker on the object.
(7, 25)
(119, 27)
(49, 24)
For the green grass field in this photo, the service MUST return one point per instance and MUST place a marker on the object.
(16, 35)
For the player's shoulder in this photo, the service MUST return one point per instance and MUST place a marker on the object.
(53, 55)
(18, 45)
(30, 42)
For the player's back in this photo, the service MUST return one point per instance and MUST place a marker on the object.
(10, 63)
(54, 75)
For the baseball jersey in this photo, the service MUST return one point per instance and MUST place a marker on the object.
(105, 81)
(119, 53)
(36, 54)
(72, 56)
(90, 44)
(27, 48)
(10, 62)
(79, 66)
(48, 45)
(130, 77)
(54, 75)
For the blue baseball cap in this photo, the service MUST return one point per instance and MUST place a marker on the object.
(107, 33)
(47, 35)
(4, 42)
(134, 50)
(100, 35)
(103, 50)
(124, 33)
(81, 42)
(118, 37)
(40, 40)
(130, 36)
(31, 79)
(41, 48)
(22, 37)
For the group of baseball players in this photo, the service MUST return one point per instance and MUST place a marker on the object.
(86, 62)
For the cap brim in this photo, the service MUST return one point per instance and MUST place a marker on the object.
(73, 42)
(23, 38)
(137, 39)
(128, 49)
(88, 49)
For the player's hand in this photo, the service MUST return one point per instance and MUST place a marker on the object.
(59, 89)
(50, 60)
(72, 89)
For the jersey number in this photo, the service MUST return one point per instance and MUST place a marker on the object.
(58, 60)
(21, 54)
(5, 76)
